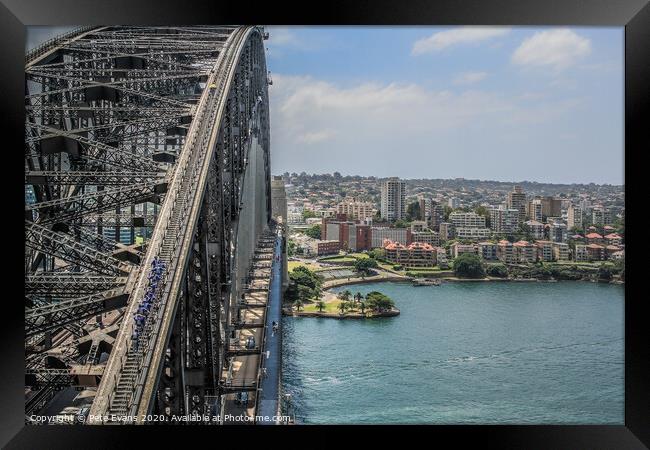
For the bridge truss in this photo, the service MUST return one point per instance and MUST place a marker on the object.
(137, 141)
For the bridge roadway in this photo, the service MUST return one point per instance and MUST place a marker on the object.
(251, 369)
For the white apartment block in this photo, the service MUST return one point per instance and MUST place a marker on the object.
(580, 253)
(558, 232)
(355, 209)
(428, 237)
(473, 233)
(467, 220)
(504, 220)
(458, 249)
(393, 199)
(601, 216)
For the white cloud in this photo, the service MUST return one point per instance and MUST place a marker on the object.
(327, 127)
(315, 137)
(557, 49)
(281, 36)
(463, 35)
(470, 77)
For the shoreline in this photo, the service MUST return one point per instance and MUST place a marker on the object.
(403, 279)
(393, 312)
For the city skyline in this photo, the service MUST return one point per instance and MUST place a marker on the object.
(485, 180)
(499, 103)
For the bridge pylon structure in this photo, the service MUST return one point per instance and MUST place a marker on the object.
(147, 174)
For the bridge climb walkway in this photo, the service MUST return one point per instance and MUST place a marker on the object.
(268, 399)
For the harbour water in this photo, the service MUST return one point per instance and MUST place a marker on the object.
(461, 353)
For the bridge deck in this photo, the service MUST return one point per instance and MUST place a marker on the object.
(244, 374)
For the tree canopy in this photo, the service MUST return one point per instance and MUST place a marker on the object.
(468, 265)
(378, 301)
(304, 284)
(313, 231)
(364, 265)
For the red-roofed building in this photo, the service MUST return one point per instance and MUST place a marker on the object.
(524, 252)
(610, 250)
(595, 252)
(614, 239)
(544, 250)
(506, 252)
(416, 254)
(594, 238)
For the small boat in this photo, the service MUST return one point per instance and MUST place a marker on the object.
(426, 283)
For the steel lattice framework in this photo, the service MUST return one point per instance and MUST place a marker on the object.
(138, 131)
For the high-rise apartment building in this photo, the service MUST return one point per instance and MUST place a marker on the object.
(600, 216)
(574, 217)
(393, 199)
(535, 210)
(504, 220)
(551, 207)
(517, 200)
(437, 215)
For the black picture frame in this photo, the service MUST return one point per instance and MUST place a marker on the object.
(634, 15)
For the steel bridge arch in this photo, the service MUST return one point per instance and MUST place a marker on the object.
(195, 231)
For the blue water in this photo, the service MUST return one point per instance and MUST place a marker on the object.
(481, 353)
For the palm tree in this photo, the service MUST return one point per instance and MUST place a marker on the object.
(362, 305)
(346, 295)
(298, 304)
(342, 307)
(320, 305)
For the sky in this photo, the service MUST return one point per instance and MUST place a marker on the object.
(491, 103)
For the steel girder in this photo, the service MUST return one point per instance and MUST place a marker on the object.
(76, 206)
(55, 315)
(92, 178)
(70, 284)
(65, 247)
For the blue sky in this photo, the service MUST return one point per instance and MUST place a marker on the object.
(507, 103)
(511, 104)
